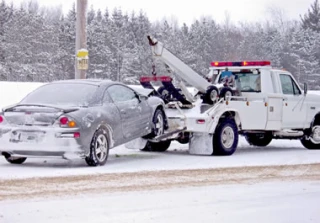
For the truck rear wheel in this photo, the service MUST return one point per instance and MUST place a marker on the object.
(259, 139)
(15, 160)
(225, 139)
(157, 146)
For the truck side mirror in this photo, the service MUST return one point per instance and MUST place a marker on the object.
(305, 88)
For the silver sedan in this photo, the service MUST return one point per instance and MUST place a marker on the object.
(83, 118)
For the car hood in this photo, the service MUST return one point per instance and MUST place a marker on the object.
(143, 91)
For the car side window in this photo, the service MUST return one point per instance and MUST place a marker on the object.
(288, 85)
(119, 93)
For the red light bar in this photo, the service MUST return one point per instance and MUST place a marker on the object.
(240, 64)
(1, 119)
(155, 78)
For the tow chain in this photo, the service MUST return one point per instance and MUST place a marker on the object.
(154, 73)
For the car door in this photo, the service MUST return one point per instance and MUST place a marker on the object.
(127, 103)
(145, 116)
(294, 108)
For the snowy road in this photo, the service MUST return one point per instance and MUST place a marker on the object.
(285, 201)
(279, 152)
(279, 183)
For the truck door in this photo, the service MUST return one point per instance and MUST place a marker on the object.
(294, 107)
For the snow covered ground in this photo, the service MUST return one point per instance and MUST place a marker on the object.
(293, 197)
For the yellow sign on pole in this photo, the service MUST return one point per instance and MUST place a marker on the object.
(83, 59)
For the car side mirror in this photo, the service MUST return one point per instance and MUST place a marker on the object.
(305, 88)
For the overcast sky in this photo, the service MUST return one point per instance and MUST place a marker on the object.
(187, 11)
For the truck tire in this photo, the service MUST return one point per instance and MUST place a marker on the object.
(225, 138)
(15, 160)
(211, 95)
(225, 92)
(315, 135)
(259, 139)
(165, 94)
(309, 144)
(99, 149)
(157, 146)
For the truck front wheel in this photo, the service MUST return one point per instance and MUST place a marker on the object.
(259, 139)
(225, 139)
(313, 142)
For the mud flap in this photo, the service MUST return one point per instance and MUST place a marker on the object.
(201, 144)
(138, 143)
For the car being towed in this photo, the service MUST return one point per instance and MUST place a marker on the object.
(82, 118)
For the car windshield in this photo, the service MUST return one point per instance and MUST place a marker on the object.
(70, 94)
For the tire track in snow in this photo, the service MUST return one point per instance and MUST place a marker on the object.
(152, 180)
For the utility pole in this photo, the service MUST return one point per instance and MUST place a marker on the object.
(81, 34)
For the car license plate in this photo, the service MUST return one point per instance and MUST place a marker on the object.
(27, 136)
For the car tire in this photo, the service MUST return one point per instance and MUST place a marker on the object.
(211, 95)
(158, 121)
(15, 160)
(226, 92)
(99, 149)
(225, 138)
(259, 139)
(309, 144)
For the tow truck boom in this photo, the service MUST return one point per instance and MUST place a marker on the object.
(181, 69)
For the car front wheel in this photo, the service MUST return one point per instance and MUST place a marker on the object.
(157, 130)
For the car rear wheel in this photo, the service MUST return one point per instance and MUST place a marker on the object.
(99, 149)
(15, 160)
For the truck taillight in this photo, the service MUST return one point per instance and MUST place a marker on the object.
(201, 121)
(240, 63)
(1, 119)
(155, 78)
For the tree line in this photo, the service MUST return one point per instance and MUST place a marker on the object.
(38, 44)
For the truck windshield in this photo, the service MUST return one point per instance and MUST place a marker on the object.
(244, 81)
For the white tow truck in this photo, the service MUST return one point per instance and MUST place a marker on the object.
(247, 98)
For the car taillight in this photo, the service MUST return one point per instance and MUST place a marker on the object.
(76, 135)
(1, 119)
(66, 122)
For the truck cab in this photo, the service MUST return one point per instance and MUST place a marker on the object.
(276, 105)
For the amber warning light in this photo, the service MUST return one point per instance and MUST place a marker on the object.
(240, 64)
